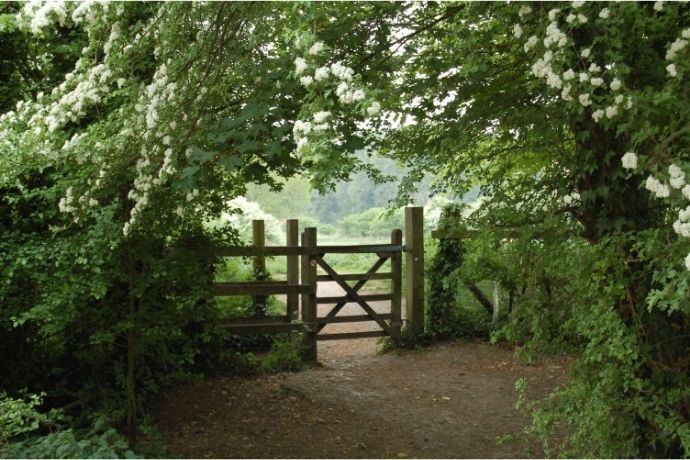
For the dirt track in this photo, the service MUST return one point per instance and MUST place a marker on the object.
(446, 401)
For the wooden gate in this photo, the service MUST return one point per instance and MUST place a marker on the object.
(312, 258)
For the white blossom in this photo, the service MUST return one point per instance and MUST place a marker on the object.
(584, 100)
(517, 31)
(565, 94)
(568, 74)
(596, 81)
(605, 13)
(619, 99)
(678, 45)
(306, 80)
(374, 109)
(586, 52)
(677, 180)
(686, 192)
(570, 18)
(581, 18)
(658, 6)
(584, 77)
(629, 160)
(524, 9)
(671, 68)
(686, 33)
(529, 44)
(300, 65)
(320, 117)
(577, 4)
(615, 84)
(358, 95)
(553, 14)
(687, 262)
(597, 115)
(594, 68)
(611, 111)
(316, 48)
(322, 73)
(657, 188)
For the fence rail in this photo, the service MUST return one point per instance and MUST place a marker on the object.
(302, 281)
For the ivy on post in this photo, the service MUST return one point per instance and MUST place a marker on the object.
(414, 261)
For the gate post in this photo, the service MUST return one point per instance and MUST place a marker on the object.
(259, 265)
(414, 261)
(396, 273)
(309, 299)
(292, 239)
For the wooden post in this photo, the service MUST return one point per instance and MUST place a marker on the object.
(259, 265)
(309, 300)
(414, 261)
(292, 239)
(396, 288)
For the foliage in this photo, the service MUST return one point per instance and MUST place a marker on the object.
(285, 355)
(23, 433)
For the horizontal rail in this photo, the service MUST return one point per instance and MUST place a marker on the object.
(270, 328)
(351, 335)
(348, 299)
(262, 320)
(350, 319)
(247, 251)
(259, 288)
(357, 277)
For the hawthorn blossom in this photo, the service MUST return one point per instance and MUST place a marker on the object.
(605, 13)
(615, 84)
(374, 109)
(316, 48)
(524, 9)
(531, 41)
(586, 52)
(568, 74)
(657, 188)
(671, 68)
(596, 81)
(321, 73)
(300, 65)
(629, 160)
(677, 179)
(320, 117)
(597, 115)
(306, 80)
(517, 30)
(584, 100)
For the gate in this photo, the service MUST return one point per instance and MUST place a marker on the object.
(305, 284)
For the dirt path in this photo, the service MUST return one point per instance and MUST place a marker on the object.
(446, 401)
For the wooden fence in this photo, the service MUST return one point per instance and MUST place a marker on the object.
(304, 259)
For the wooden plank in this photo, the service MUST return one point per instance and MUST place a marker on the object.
(252, 329)
(396, 275)
(349, 299)
(292, 240)
(309, 299)
(234, 321)
(258, 288)
(351, 335)
(247, 251)
(259, 264)
(414, 242)
(353, 294)
(350, 319)
(357, 277)
(334, 311)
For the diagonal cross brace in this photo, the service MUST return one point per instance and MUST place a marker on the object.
(378, 264)
(354, 295)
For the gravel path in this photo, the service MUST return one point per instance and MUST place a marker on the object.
(446, 401)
